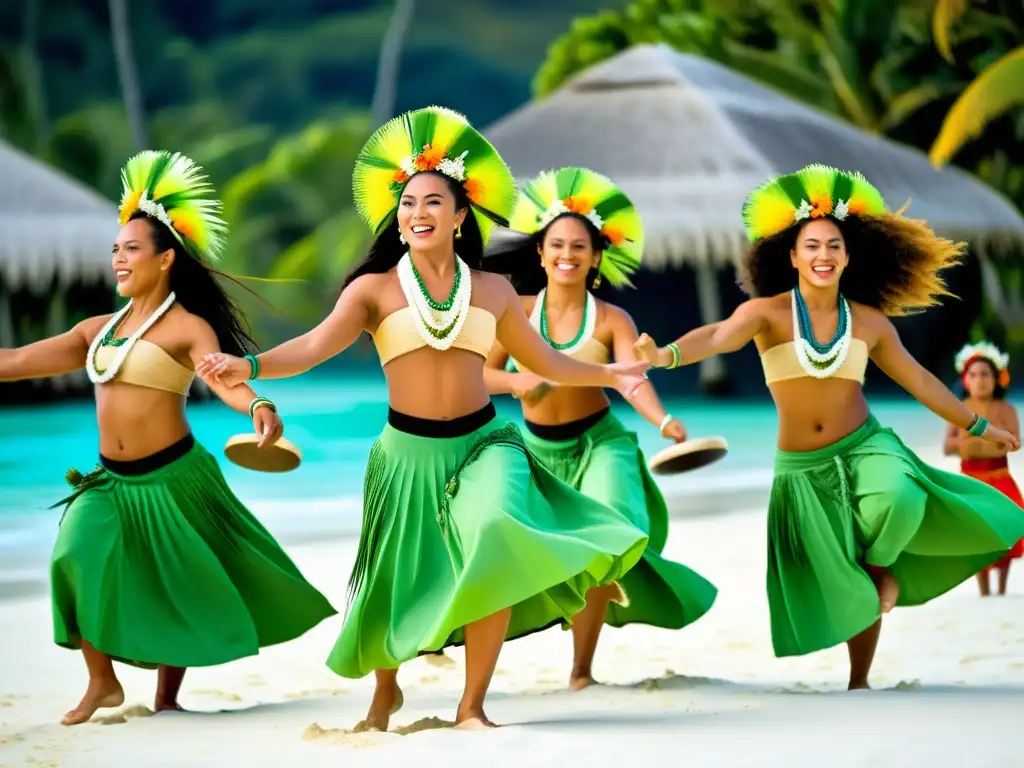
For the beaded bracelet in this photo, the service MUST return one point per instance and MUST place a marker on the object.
(254, 366)
(676, 357)
(978, 426)
(260, 402)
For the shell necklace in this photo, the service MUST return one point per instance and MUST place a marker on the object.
(820, 361)
(539, 320)
(438, 323)
(97, 377)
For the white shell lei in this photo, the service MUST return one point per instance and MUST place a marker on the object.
(588, 330)
(428, 318)
(122, 352)
(807, 355)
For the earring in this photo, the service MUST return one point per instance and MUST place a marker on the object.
(597, 281)
(401, 238)
(458, 231)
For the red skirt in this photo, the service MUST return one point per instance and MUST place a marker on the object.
(996, 472)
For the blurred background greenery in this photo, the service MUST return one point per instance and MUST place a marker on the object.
(274, 99)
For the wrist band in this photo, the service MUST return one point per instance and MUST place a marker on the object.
(978, 426)
(260, 402)
(254, 366)
(664, 422)
(676, 357)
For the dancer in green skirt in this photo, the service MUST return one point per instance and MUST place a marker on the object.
(584, 228)
(466, 537)
(157, 563)
(857, 524)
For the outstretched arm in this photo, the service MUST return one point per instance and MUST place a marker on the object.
(526, 345)
(892, 357)
(646, 402)
(266, 421)
(53, 356)
(338, 331)
(528, 387)
(719, 338)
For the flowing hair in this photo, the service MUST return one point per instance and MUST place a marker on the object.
(387, 249)
(895, 263)
(197, 289)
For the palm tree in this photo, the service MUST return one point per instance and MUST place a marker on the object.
(127, 73)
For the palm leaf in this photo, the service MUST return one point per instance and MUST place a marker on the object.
(946, 13)
(990, 95)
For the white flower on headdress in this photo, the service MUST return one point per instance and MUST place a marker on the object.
(982, 349)
(803, 212)
(452, 167)
(842, 209)
(155, 210)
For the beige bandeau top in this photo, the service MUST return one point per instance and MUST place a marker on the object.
(148, 365)
(780, 363)
(592, 352)
(398, 335)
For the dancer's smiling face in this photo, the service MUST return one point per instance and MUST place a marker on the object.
(137, 265)
(428, 214)
(980, 379)
(567, 251)
(820, 253)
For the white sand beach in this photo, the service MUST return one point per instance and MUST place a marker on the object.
(949, 688)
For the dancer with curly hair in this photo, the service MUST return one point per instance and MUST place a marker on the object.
(857, 523)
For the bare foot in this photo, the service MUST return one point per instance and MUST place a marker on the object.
(107, 693)
(384, 704)
(578, 683)
(439, 660)
(473, 721)
(888, 591)
(168, 706)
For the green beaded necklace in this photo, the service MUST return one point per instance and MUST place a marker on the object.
(442, 306)
(109, 340)
(544, 326)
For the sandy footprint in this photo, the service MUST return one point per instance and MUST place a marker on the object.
(124, 715)
(216, 693)
(424, 724)
(343, 736)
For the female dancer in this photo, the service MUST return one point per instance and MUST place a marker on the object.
(156, 562)
(856, 522)
(585, 228)
(466, 538)
(985, 376)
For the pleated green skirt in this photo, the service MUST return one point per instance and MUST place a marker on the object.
(605, 464)
(170, 568)
(458, 528)
(867, 500)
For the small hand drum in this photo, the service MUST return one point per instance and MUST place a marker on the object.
(688, 455)
(282, 456)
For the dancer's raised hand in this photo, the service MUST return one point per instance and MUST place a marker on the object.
(222, 368)
(1005, 440)
(627, 377)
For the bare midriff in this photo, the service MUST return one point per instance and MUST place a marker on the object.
(135, 422)
(814, 413)
(430, 384)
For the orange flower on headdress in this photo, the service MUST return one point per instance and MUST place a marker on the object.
(821, 206)
(428, 159)
(577, 205)
(1004, 378)
(474, 190)
(615, 237)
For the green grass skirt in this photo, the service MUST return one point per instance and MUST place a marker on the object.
(170, 568)
(605, 464)
(456, 529)
(867, 500)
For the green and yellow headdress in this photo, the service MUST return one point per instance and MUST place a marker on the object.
(597, 199)
(173, 189)
(810, 193)
(431, 139)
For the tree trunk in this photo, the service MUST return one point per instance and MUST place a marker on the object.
(127, 74)
(384, 93)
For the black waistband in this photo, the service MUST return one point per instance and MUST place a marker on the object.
(568, 431)
(457, 427)
(150, 463)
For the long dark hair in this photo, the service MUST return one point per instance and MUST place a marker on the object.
(387, 249)
(517, 255)
(198, 290)
(895, 263)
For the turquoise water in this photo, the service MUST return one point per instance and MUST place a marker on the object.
(334, 420)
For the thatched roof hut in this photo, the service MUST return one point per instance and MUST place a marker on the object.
(55, 234)
(688, 139)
